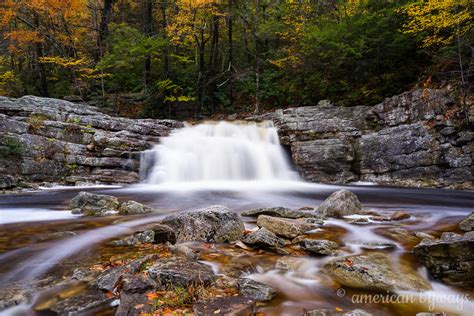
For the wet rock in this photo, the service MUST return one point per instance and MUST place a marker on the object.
(263, 238)
(132, 207)
(238, 267)
(260, 292)
(88, 303)
(377, 245)
(132, 304)
(163, 233)
(228, 306)
(423, 235)
(450, 259)
(340, 204)
(400, 215)
(178, 272)
(374, 272)
(276, 212)
(91, 204)
(400, 234)
(144, 237)
(318, 246)
(334, 312)
(136, 283)
(283, 227)
(289, 263)
(467, 225)
(184, 251)
(211, 224)
(359, 221)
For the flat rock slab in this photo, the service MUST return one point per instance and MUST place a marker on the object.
(277, 212)
(318, 246)
(228, 306)
(374, 272)
(211, 224)
(171, 273)
(259, 291)
(283, 227)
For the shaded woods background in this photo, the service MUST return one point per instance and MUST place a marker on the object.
(233, 55)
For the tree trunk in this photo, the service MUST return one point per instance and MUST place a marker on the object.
(230, 87)
(166, 59)
(43, 82)
(103, 27)
(148, 30)
(257, 61)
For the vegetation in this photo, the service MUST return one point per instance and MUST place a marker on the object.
(234, 55)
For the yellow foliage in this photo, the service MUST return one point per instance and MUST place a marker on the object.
(443, 20)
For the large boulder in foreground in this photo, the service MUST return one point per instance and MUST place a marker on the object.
(212, 224)
(450, 258)
(91, 204)
(339, 204)
(374, 272)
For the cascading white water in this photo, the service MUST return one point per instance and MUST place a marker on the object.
(219, 152)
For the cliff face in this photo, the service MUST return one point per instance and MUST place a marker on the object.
(53, 140)
(413, 139)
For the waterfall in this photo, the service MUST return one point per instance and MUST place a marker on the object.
(218, 152)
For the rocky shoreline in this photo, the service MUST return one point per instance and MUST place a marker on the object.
(166, 267)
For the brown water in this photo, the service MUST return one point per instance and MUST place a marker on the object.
(32, 251)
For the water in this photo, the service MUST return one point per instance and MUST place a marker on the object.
(220, 152)
(241, 167)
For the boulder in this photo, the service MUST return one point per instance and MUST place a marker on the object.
(288, 263)
(276, 212)
(467, 224)
(374, 272)
(258, 291)
(288, 228)
(132, 207)
(88, 303)
(228, 306)
(450, 258)
(211, 224)
(318, 246)
(144, 237)
(7, 182)
(263, 238)
(340, 204)
(170, 273)
(91, 204)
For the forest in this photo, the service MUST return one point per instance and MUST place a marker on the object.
(234, 56)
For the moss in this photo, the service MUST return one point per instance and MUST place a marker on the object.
(36, 121)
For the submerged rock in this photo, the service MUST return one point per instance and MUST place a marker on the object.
(318, 246)
(171, 273)
(211, 224)
(132, 207)
(374, 272)
(339, 204)
(467, 225)
(289, 263)
(228, 306)
(88, 303)
(259, 291)
(283, 227)
(450, 258)
(91, 204)
(335, 312)
(276, 212)
(263, 238)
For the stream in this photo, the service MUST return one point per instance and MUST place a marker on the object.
(40, 238)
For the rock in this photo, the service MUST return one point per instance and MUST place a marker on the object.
(228, 306)
(377, 245)
(450, 258)
(263, 238)
(91, 204)
(88, 303)
(467, 225)
(422, 235)
(184, 251)
(7, 182)
(153, 233)
(171, 273)
(340, 204)
(336, 312)
(144, 237)
(237, 267)
(318, 246)
(132, 304)
(399, 215)
(211, 224)
(258, 291)
(132, 207)
(288, 263)
(136, 283)
(276, 212)
(283, 227)
(374, 272)
(163, 233)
